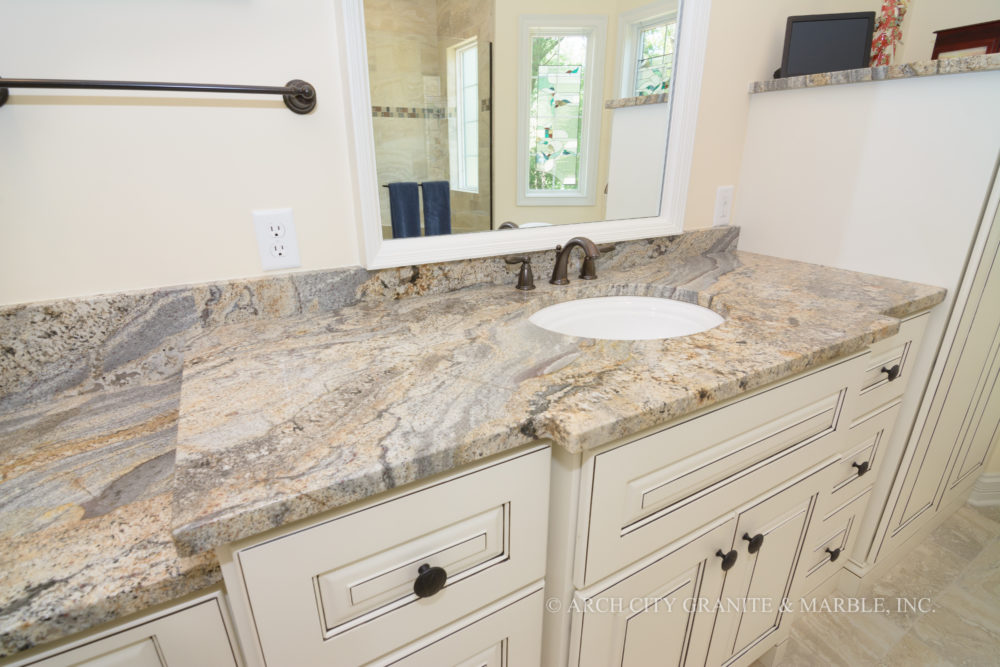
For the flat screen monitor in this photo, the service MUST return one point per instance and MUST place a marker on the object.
(826, 43)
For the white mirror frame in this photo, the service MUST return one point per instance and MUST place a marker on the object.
(379, 253)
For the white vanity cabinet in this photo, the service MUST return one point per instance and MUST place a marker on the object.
(356, 585)
(695, 542)
(194, 633)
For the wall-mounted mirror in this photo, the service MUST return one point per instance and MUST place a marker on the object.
(536, 113)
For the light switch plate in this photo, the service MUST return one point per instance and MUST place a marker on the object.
(723, 205)
(277, 241)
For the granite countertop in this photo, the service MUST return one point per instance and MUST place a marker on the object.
(280, 420)
(981, 63)
(304, 392)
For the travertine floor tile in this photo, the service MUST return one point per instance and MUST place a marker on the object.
(965, 533)
(911, 652)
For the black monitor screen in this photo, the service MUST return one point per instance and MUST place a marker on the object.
(827, 43)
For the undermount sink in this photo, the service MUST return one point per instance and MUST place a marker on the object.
(626, 318)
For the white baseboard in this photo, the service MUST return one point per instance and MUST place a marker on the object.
(986, 490)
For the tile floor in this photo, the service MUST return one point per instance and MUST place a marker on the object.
(957, 568)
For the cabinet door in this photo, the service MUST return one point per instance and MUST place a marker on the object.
(660, 614)
(963, 414)
(759, 586)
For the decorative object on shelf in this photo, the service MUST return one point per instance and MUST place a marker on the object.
(888, 31)
(967, 40)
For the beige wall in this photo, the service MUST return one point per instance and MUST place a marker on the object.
(993, 465)
(745, 40)
(926, 16)
(126, 190)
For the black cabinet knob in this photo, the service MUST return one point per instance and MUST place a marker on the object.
(834, 554)
(756, 542)
(862, 467)
(728, 560)
(893, 372)
(429, 581)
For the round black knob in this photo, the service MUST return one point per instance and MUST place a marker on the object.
(756, 542)
(893, 372)
(834, 554)
(429, 581)
(728, 560)
(862, 468)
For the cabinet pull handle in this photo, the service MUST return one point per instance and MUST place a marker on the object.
(834, 554)
(862, 468)
(729, 559)
(893, 372)
(756, 542)
(429, 580)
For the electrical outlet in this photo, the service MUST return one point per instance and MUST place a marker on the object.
(723, 205)
(277, 242)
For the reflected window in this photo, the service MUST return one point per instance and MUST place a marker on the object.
(654, 57)
(555, 124)
(559, 130)
(465, 174)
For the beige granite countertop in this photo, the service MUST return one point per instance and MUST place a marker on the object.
(304, 392)
(280, 420)
(982, 63)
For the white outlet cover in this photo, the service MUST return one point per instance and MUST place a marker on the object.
(277, 250)
(723, 205)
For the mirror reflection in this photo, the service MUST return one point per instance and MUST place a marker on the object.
(500, 114)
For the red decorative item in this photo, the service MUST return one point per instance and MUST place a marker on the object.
(888, 31)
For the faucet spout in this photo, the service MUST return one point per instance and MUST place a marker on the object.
(589, 269)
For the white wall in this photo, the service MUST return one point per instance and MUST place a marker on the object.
(887, 177)
(129, 190)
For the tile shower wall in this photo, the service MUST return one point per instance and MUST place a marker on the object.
(408, 42)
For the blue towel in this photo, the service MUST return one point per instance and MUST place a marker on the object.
(404, 206)
(437, 208)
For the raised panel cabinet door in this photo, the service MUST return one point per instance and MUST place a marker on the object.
(961, 421)
(662, 613)
(510, 636)
(770, 535)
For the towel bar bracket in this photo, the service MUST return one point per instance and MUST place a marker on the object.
(298, 95)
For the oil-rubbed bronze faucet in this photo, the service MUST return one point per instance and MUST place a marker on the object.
(587, 272)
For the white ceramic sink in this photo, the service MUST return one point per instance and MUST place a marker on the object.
(626, 318)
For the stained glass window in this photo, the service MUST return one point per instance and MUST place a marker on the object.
(654, 58)
(556, 113)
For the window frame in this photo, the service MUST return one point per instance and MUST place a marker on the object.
(631, 24)
(595, 28)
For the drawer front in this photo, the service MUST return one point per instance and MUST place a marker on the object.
(334, 592)
(875, 387)
(866, 442)
(510, 635)
(193, 635)
(648, 492)
(836, 532)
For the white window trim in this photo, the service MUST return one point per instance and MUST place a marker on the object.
(376, 253)
(596, 29)
(629, 26)
(460, 151)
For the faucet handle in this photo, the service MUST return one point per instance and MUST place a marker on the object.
(525, 277)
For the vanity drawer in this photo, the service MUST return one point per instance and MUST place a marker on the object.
(893, 355)
(649, 492)
(866, 444)
(342, 591)
(835, 533)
